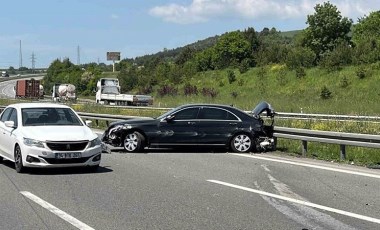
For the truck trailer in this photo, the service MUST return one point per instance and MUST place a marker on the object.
(64, 92)
(108, 92)
(28, 89)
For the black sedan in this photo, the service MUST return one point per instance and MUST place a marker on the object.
(196, 125)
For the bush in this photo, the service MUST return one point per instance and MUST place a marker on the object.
(190, 90)
(326, 93)
(234, 94)
(209, 92)
(344, 82)
(244, 65)
(300, 72)
(241, 82)
(361, 72)
(231, 76)
(167, 90)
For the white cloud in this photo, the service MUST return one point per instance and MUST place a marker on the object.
(204, 10)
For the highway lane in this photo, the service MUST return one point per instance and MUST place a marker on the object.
(7, 87)
(175, 190)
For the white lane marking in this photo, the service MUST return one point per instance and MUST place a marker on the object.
(306, 203)
(265, 167)
(309, 165)
(63, 215)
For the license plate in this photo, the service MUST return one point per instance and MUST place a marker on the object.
(67, 155)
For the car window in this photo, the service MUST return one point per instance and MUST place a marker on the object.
(186, 114)
(5, 114)
(216, 114)
(13, 116)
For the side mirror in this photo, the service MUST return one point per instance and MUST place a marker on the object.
(10, 124)
(169, 118)
(88, 123)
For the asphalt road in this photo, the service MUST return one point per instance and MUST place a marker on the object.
(193, 190)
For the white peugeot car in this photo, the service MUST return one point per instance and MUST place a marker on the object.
(47, 135)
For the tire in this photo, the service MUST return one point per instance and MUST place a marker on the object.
(18, 160)
(241, 143)
(1, 159)
(134, 142)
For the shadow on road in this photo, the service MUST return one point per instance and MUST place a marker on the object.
(176, 150)
(61, 171)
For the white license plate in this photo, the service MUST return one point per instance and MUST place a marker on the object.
(67, 155)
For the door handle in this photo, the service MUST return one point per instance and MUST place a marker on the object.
(191, 123)
(233, 123)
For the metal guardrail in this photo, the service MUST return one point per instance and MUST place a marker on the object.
(304, 135)
(340, 138)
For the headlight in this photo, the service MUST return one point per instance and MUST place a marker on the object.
(95, 142)
(32, 142)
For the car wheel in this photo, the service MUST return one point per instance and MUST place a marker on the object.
(241, 143)
(18, 160)
(134, 142)
(1, 159)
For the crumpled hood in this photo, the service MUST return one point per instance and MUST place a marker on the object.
(59, 133)
(261, 107)
(146, 120)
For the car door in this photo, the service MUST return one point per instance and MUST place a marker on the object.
(179, 128)
(216, 125)
(4, 130)
(9, 133)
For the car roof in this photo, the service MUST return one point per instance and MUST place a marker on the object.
(37, 105)
(208, 105)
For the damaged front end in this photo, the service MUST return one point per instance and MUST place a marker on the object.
(114, 134)
(264, 138)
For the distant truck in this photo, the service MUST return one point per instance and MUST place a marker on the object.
(64, 92)
(4, 74)
(108, 92)
(29, 89)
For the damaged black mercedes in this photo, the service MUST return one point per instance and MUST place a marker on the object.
(197, 125)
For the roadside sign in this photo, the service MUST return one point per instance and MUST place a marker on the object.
(113, 56)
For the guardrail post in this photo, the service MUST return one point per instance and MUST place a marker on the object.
(342, 152)
(304, 148)
(97, 122)
(274, 143)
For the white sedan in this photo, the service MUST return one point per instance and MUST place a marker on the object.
(47, 135)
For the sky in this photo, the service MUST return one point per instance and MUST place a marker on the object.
(54, 29)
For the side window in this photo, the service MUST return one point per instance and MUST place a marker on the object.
(5, 114)
(216, 114)
(13, 117)
(187, 114)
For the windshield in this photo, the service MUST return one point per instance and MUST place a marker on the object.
(49, 116)
(110, 90)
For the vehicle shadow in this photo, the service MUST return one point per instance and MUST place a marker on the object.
(175, 150)
(60, 171)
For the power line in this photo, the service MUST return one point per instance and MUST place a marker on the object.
(33, 58)
(78, 55)
(20, 64)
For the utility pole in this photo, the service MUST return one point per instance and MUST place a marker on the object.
(78, 55)
(33, 58)
(20, 64)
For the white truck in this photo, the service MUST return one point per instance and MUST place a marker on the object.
(64, 92)
(108, 92)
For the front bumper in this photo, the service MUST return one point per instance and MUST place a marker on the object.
(45, 158)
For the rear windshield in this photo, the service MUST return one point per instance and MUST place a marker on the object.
(49, 116)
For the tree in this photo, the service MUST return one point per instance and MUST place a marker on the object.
(230, 50)
(366, 37)
(327, 28)
(186, 54)
(367, 27)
